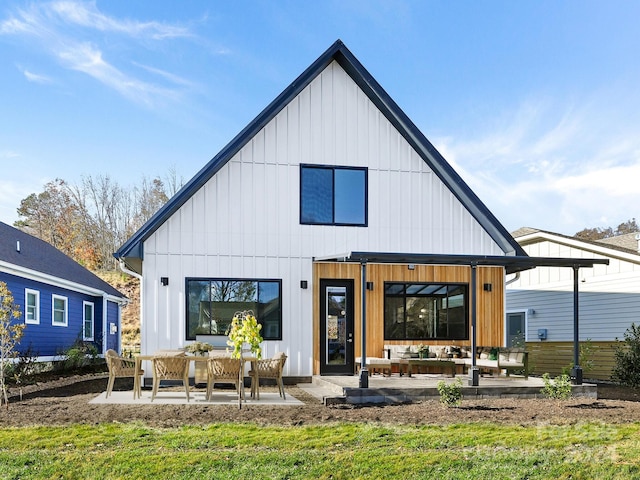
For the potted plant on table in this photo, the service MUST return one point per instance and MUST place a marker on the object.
(199, 349)
(245, 328)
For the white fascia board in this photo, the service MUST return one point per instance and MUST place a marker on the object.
(341, 257)
(56, 281)
(576, 243)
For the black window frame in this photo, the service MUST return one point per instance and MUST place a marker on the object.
(333, 169)
(226, 279)
(426, 285)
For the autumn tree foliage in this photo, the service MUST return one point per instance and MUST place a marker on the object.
(630, 226)
(91, 220)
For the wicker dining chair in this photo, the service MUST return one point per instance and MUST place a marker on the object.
(225, 369)
(267, 368)
(121, 367)
(170, 367)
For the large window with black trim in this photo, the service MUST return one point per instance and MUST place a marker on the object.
(333, 195)
(426, 311)
(211, 304)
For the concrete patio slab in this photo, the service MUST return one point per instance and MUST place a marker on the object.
(169, 397)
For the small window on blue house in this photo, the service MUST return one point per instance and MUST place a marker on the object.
(87, 321)
(333, 195)
(31, 306)
(60, 313)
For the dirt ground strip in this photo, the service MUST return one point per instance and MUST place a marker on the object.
(66, 401)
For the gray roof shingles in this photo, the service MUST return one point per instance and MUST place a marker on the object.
(38, 255)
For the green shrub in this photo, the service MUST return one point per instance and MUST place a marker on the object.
(79, 355)
(450, 393)
(586, 358)
(627, 357)
(558, 389)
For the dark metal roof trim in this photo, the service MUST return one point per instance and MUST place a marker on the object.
(512, 264)
(338, 52)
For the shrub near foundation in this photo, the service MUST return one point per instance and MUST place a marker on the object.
(627, 367)
(559, 388)
(450, 393)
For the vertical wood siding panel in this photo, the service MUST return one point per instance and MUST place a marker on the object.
(328, 139)
(340, 120)
(315, 116)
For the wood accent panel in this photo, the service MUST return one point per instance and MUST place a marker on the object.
(552, 357)
(490, 305)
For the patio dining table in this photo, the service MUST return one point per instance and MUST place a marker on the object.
(192, 358)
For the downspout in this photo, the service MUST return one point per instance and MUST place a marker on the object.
(513, 280)
(124, 268)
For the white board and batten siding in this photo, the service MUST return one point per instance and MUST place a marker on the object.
(244, 222)
(609, 295)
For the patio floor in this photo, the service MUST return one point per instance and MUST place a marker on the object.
(173, 396)
(396, 389)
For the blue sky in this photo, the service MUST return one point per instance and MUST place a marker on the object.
(536, 104)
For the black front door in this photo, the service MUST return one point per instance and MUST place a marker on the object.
(336, 327)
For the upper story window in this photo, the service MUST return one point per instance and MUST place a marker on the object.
(333, 195)
(60, 315)
(31, 306)
(87, 321)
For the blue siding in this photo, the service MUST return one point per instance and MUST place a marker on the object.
(113, 317)
(44, 338)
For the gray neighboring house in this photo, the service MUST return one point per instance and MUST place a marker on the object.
(539, 302)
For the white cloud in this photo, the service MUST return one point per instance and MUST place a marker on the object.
(87, 59)
(87, 15)
(52, 24)
(36, 78)
(555, 165)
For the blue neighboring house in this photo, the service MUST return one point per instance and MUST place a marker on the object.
(60, 300)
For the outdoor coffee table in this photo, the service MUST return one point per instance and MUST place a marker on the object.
(408, 364)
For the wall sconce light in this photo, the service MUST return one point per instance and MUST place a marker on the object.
(164, 281)
(303, 284)
(369, 285)
(411, 266)
(531, 311)
(487, 287)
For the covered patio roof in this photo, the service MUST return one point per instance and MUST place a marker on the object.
(512, 264)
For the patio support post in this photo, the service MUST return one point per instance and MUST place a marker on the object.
(576, 372)
(364, 372)
(474, 371)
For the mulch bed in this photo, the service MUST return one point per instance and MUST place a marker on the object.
(65, 401)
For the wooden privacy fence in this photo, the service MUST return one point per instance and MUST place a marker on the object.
(552, 357)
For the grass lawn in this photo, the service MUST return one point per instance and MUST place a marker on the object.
(348, 451)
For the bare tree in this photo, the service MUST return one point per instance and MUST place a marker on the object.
(10, 335)
(90, 221)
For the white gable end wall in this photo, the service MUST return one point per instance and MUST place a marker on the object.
(609, 298)
(244, 222)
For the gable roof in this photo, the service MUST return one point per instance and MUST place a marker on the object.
(39, 260)
(131, 251)
(613, 247)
